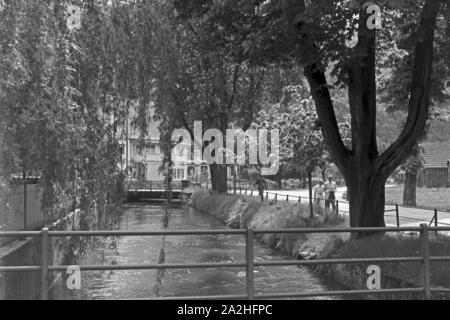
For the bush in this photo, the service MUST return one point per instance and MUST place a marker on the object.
(393, 247)
(248, 212)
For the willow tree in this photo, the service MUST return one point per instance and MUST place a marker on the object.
(342, 35)
(63, 95)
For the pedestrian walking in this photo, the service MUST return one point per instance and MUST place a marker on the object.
(262, 185)
(319, 192)
(330, 194)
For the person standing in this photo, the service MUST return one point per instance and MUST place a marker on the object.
(262, 185)
(319, 190)
(330, 194)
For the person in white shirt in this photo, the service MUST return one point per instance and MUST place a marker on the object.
(330, 194)
(319, 192)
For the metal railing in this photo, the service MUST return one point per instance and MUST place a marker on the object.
(250, 264)
(289, 198)
(151, 185)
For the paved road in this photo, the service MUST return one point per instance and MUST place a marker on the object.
(409, 217)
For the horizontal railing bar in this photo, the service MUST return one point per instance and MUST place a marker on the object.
(211, 232)
(341, 230)
(5, 234)
(336, 261)
(151, 266)
(440, 259)
(439, 228)
(20, 269)
(440, 290)
(145, 233)
(222, 265)
(218, 297)
(335, 293)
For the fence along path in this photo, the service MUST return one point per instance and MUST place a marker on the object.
(424, 258)
(398, 215)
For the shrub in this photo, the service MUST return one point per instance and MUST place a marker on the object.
(393, 247)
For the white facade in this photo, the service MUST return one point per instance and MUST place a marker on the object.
(144, 164)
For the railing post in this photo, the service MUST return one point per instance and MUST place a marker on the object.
(436, 222)
(276, 197)
(337, 208)
(287, 198)
(425, 251)
(44, 264)
(435, 218)
(249, 258)
(397, 216)
(25, 222)
(267, 196)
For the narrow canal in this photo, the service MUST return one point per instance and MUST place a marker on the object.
(182, 249)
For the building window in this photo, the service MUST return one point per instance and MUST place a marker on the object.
(153, 149)
(179, 174)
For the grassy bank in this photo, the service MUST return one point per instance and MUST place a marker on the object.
(242, 212)
(430, 198)
(248, 212)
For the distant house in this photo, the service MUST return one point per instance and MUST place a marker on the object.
(436, 163)
(144, 163)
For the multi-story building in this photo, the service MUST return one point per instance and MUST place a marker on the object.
(144, 163)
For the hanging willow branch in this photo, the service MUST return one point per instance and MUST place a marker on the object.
(167, 171)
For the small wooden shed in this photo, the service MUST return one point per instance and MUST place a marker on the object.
(436, 163)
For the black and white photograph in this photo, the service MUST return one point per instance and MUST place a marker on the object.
(225, 155)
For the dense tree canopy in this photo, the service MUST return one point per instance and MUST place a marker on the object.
(337, 34)
(66, 91)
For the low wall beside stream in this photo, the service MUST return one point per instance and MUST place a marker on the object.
(27, 252)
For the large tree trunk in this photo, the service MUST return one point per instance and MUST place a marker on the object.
(365, 170)
(409, 190)
(219, 178)
(367, 199)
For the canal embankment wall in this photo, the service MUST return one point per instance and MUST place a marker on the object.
(249, 212)
(14, 205)
(27, 252)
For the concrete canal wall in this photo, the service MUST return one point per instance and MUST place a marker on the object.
(12, 209)
(23, 252)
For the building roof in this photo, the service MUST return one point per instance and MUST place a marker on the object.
(436, 155)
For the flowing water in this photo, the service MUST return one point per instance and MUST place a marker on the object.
(139, 284)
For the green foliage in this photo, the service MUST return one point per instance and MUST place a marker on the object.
(399, 42)
(390, 246)
(296, 119)
(64, 96)
(302, 144)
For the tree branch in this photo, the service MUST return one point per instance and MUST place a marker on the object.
(362, 93)
(419, 95)
(325, 110)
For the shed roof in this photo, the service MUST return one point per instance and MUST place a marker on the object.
(436, 155)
